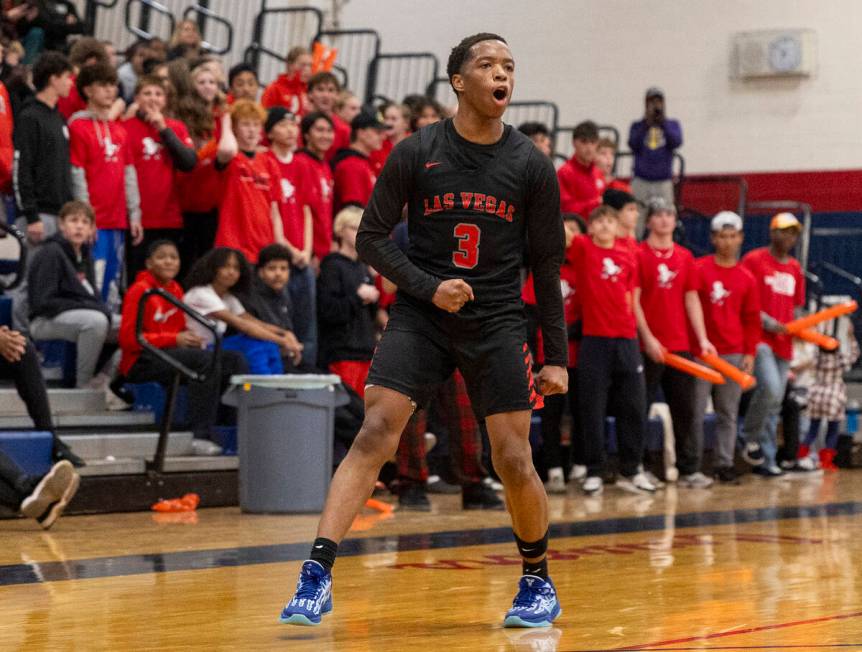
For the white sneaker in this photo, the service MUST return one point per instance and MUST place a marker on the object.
(592, 485)
(658, 484)
(695, 481)
(638, 484)
(556, 483)
(578, 473)
(491, 482)
(114, 403)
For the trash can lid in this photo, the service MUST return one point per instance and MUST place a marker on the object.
(288, 381)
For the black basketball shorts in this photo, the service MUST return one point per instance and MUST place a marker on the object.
(421, 348)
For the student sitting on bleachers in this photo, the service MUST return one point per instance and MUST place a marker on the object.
(43, 499)
(213, 286)
(165, 328)
(64, 302)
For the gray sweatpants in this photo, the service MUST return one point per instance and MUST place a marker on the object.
(20, 305)
(88, 329)
(725, 400)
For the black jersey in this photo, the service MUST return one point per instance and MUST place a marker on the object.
(472, 209)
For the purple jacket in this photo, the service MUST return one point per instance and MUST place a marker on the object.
(653, 148)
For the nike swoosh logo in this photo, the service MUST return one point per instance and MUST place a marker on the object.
(317, 547)
(432, 164)
(528, 549)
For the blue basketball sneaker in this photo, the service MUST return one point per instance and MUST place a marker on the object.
(536, 604)
(313, 596)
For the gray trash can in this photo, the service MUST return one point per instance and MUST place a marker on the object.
(285, 432)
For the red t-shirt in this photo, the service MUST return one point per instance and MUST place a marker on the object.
(731, 306)
(7, 148)
(289, 92)
(251, 184)
(160, 202)
(294, 187)
(354, 179)
(378, 157)
(73, 102)
(200, 190)
(319, 176)
(571, 307)
(342, 137)
(581, 187)
(782, 288)
(102, 150)
(665, 276)
(606, 279)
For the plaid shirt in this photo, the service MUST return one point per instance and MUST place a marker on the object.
(827, 397)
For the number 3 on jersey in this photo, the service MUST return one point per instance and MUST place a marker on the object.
(466, 256)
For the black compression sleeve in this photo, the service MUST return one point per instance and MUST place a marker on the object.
(383, 212)
(546, 250)
(184, 157)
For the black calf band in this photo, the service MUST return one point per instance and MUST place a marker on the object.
(532, 550)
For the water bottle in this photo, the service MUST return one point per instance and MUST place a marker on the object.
(852, 416)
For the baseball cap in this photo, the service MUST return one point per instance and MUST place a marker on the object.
(616, 199)
(365, 120)
(654, 91)
(726, 219)
(784, 221)
(276, 114)
(659, 205)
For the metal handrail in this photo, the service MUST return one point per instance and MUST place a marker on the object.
(251, 54)
(208, 13)
(841, 273)
(179, 368)
(793, 207)
(813, 280)
(15, 232)
(159, 353)
(149, 5)
(373, 69)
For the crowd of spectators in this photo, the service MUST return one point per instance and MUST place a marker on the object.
(243, 199)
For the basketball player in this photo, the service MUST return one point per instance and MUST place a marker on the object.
(476, 191)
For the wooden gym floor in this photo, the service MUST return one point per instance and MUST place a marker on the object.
(769, 565)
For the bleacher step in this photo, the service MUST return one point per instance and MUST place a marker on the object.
(118, 445)
(102, 419)
(200, 463)
(116, 466)
(62, 401)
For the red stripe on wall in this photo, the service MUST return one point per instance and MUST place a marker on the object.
(825, 191)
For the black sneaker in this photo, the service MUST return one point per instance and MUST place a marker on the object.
(768, 472)
(753, 454)
(437, 485)
(63, 452)
(413, 497)
(480, 496)
(118, 387)
(727, 475)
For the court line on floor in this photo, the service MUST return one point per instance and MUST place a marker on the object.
(165, 562)
(660, 645)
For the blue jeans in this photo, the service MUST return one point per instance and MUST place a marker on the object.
(761, 420)
(303, 296)
(264, 358)
(109, 255)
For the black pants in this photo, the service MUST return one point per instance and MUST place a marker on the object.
(136, 256)
(790, 413)
(552, 416)
(15, 485)
(199, 232)
(680, 390)
(31, 386)
(611, 366)
(204, 397)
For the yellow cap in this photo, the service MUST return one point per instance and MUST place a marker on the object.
(785, 221)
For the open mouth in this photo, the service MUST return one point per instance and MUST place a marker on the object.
(500, 94)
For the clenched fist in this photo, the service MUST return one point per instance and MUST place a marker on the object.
(451, 295)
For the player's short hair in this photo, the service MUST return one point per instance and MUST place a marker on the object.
(321, 78)
(151, 80)
(247, 110)
(239, 69)
(273, 252)
(347, 217)
(294, 53)
(601, 211)
(86, 48)
(461, 53)
(309, 120)
(97, 73)
(606, 143)
(531, 129)
(77, 207)
(158, 244)
(586, 130)
(48, 65)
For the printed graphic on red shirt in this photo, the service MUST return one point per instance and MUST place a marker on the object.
(731, 306)
(666, 276)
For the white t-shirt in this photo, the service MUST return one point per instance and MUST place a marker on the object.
(204, 300)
